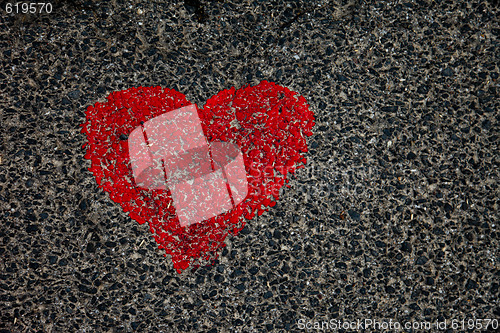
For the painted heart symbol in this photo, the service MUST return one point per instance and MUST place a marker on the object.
(268, 123)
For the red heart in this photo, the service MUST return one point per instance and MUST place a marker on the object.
(268, 122)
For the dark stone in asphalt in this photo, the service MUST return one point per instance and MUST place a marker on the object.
(447, 72)
(471, 284)
(411, 156)
(353, 214)
(75, 94)
(421, 260)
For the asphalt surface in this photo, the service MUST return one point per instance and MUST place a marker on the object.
(394, 219)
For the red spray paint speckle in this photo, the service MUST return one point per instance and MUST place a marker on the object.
(268, 122)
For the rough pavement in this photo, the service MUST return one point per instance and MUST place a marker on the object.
(395, 216)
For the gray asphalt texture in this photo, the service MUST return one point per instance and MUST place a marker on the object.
(394, 217)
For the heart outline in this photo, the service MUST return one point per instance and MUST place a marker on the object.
(230, 115)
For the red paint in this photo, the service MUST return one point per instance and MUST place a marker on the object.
(272, 125)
